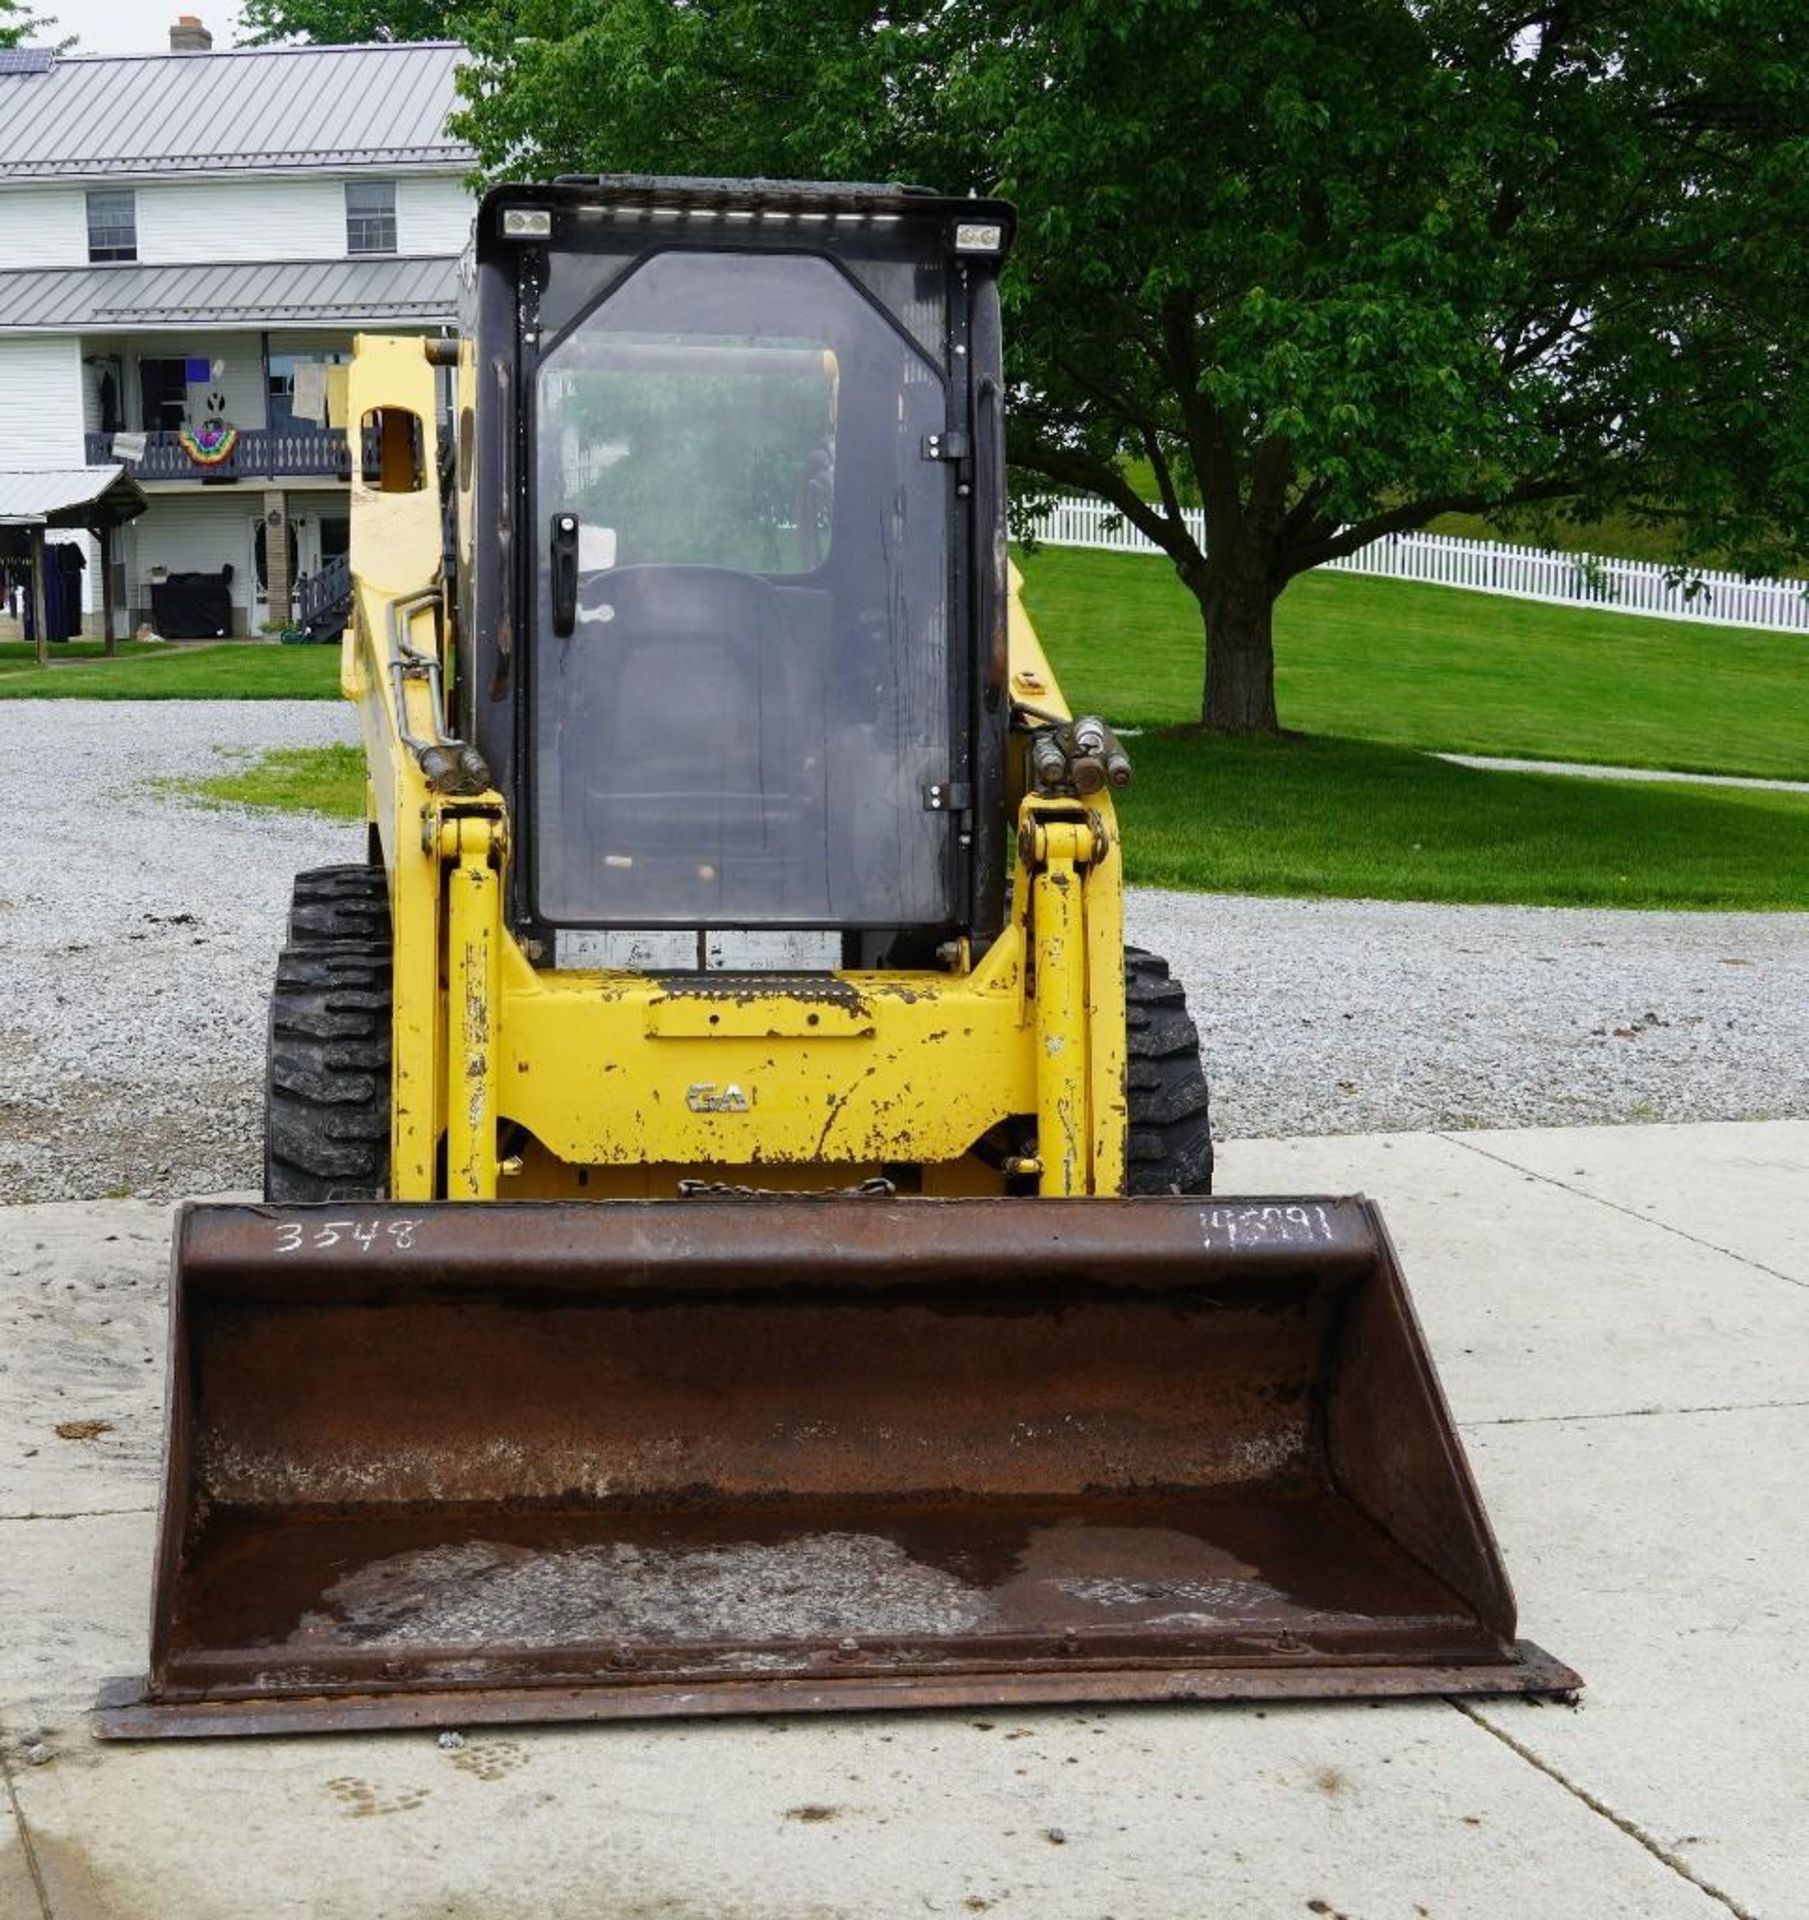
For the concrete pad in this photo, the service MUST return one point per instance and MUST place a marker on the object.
(1538, 1301)
(1742, 1186)
(75, 1607)
(1667, 1558)
(18, 1891)
(82, 1337)
(1151, 1815)
(1658, 1552)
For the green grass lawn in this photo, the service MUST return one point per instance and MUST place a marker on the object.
(327, 780)
(225, 672)
(1369, 670)
(1345, 818)
(20, 653)
(1353, 819)
(1435, 667)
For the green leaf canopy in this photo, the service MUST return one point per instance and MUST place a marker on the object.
(347, 22)
(19, 26)
(1329, 267)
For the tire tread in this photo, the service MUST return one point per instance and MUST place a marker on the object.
(327, 1090)
(1168, 1146)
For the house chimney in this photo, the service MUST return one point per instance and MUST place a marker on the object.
(188, 35)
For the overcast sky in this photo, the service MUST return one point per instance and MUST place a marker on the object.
(136, 26)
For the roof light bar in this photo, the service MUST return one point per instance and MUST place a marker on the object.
(979, 236)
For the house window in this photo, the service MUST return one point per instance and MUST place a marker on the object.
(280, 410)
(113, 225)
(370, 216)
(163, 394)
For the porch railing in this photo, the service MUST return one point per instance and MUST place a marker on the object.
(323, 598)
(260, 453)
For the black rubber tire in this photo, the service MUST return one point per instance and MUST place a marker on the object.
(1169, 1149)
(326, 1090)
(339, 903)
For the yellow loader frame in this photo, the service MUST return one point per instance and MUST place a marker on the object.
(623, 1082)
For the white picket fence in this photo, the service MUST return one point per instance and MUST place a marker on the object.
(1488, 566)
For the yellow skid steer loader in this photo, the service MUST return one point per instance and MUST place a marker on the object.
(738, 1229)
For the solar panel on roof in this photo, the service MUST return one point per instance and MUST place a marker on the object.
(16, 60)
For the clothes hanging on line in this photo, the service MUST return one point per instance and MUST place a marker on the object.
(64, 565)
(309, 401)
(15, 588)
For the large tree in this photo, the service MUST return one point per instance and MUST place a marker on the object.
(20, 26)
(1331, 267)
(347, 22)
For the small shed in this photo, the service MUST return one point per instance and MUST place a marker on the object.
(38, 500)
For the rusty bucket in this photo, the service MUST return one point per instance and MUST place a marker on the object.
(476, 1463)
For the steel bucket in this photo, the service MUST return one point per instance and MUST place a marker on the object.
(453, 1464)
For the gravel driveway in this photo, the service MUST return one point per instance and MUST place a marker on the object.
(137, 937)
(138, 932)
(1370, 1016)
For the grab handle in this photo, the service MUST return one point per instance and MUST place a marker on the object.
(565, 574)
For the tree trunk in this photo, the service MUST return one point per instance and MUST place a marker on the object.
(1239, 611)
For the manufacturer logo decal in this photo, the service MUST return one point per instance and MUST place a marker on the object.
(707, 1097)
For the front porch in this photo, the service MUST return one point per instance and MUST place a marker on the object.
(290, 452)
(215, 563)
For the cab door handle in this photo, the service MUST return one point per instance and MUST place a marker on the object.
(564, 551)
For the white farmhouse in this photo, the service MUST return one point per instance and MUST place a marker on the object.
(187, 241)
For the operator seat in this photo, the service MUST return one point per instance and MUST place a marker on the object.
(693, 728)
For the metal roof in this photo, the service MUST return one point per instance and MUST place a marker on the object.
(69, 497)
(261, 292)
(263, 109)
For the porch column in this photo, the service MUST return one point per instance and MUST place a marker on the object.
(276, 556)
(40, 600)
(105, 537)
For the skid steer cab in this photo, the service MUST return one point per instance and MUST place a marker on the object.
(738, 1227)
